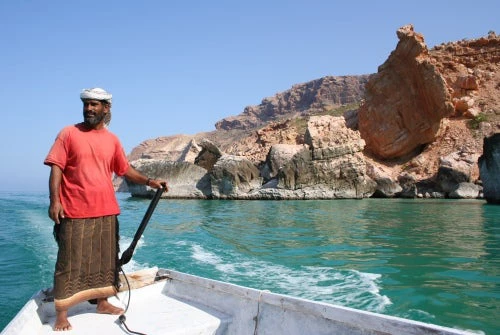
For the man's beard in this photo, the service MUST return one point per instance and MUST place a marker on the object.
(92, 120)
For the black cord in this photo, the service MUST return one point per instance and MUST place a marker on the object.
(122, 317)
(128, 286)
(122, 320)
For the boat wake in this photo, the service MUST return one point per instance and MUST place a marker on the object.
(349, 288)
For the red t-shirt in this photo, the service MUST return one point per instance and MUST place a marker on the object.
(88, 159)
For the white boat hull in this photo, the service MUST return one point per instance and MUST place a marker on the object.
(179, 303)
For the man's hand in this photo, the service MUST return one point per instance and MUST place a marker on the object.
(56, 211)
(158, 184)
(136, 177)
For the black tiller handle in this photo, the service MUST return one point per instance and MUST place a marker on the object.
(127, 254)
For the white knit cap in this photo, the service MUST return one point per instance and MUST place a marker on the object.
(96, 94)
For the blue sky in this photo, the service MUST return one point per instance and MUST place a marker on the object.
(177, 67)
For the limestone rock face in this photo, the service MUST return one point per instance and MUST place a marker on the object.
(405, 101)
(185, 179)
(233, 175)
(334, 167)
(329, 137)
(278, 156)
(176, 148)
(340, 178)
(489, 168)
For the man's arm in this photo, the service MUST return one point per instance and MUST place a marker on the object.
(56, 210)
(136, 177)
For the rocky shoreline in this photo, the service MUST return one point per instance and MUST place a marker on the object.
(415, 129)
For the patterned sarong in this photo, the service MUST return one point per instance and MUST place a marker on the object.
(86, 266)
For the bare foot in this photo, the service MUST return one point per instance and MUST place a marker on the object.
(104, 307)
(62, 322)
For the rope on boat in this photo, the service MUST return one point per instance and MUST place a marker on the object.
(122, 317)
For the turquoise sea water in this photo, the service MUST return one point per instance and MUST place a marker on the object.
(435, 261)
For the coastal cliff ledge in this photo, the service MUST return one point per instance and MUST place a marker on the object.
(413, 129)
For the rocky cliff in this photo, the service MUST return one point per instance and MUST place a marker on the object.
(413, 129)
(315, 97)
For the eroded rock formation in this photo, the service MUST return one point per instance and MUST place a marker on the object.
(405, 101)
(418, 133)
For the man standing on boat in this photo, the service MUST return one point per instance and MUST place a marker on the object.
(84, 208)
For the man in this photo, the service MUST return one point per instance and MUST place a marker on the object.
(84, 208)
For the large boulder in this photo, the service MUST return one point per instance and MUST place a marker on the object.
(455, 169)
(466, 191)
(387, 187)
(489, 168)
(405, 101)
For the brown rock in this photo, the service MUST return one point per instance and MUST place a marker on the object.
(467, 82)
(463, 104)
(405, 101)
